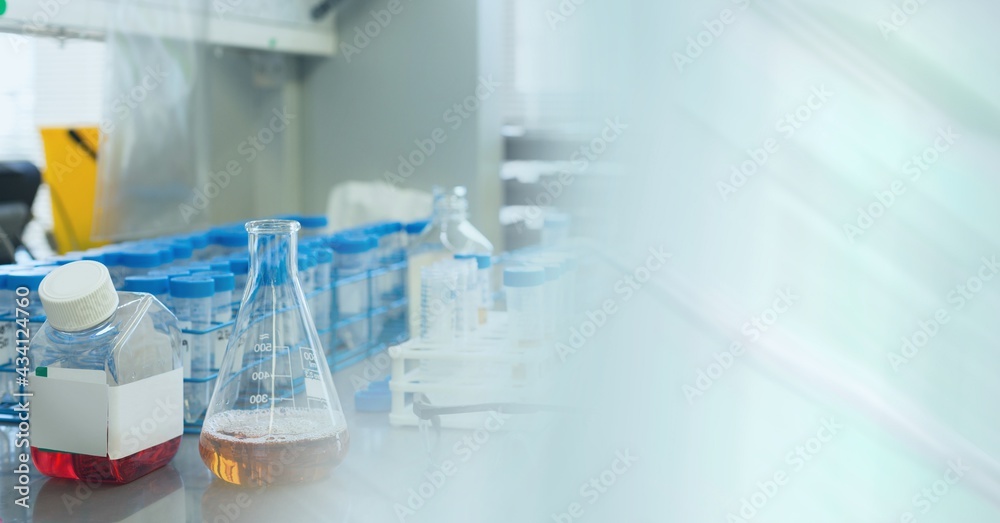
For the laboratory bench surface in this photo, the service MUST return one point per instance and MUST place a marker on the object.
(384, 467)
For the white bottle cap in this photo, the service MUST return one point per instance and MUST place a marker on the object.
(78, 296)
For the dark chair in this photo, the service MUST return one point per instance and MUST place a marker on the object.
(19, 182)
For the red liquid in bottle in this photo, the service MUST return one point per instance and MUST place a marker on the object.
(103, 469)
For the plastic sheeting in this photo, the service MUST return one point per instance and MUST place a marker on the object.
(153, 150)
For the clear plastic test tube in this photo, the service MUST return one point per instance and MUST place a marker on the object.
(322, 282)
(191, 297)
(199, 244)
(229, 241)
(484, 279)
(220, 266)
(240, 267)
(524, 288)
(467, 294)
(222, 300)
(158, 286)
(312, 226)
(137, 262)
(6, 296)
(183, 251)
(166, 254)
(306, 277)
(353, 258)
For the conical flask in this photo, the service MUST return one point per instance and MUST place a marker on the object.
(274, 416)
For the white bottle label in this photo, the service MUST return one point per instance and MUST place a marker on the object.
(76, 411)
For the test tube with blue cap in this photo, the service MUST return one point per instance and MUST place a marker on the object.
(219, 265)
(306, 279)
(525, 296)
(312, 226)
(484, 263)
(228, 241)
(22, 286)
(166, 253)
(113, 261)
(222, 300)
(171, 272)
(467, 294)
(352, 259)
(322, 282)
(395, 246)
(136, 262)
(158, 286)
(413, 231)
(192, 300)
(199, 244)
(183, 251)
(197, 267)
(240, 266)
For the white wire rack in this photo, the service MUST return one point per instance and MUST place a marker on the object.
(485, 369)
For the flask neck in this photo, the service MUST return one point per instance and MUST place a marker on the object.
(273, 255)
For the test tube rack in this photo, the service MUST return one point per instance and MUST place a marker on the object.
(486, 368)
(384, 324)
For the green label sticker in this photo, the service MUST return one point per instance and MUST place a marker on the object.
(3, 7)
(40, 371)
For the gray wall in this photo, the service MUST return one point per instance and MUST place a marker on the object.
(245, 88)
(365, 109)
